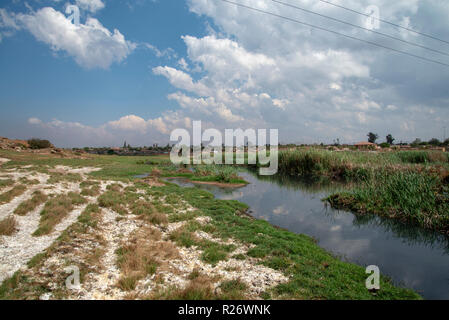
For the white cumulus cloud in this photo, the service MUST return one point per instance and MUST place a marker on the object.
(90, 5)
(90, 44)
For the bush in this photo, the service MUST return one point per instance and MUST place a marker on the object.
(39, 144)
(384, 145)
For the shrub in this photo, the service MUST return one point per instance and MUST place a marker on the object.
(8, 226)
(39, 144)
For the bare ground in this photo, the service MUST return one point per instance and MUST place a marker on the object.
(93, 249)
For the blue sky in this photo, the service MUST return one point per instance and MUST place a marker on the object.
(135, 70)
(36, 82)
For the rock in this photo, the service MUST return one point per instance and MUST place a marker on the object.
(45, 296)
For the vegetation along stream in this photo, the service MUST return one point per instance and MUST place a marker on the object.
(411, 256)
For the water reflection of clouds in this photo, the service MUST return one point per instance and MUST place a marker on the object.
(233, 196)
(335, 228)
(280, 210)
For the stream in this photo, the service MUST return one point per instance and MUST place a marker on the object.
(410, 256)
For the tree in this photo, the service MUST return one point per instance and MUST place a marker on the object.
(337, 142)
(416, 143)
(390, 139)
(124, 145)
(372, 137)
(434, 142)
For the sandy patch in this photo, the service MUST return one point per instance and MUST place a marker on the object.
(102, 286)
(8, 208)
(257, 278)
(17, 250)
(82, 171)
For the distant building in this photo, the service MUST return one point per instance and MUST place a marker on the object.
(365, 145)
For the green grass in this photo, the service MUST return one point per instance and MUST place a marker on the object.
(55, 210)
(116, 200)
(206, 173)
(358, 166)
(406, 196)
(31, 204)
(6, 183)
(298, 256)
(233, 290)
(410, 186)
(87, 218)
(61, 177)
(11, 194)
(90, 188)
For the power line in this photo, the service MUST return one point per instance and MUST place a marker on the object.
(385, 21)
(337, 33)
(360, 27)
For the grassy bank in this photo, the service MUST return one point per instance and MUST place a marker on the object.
(406, 196)
(312, 272)
(410, 186)
(360, 166)
(206, 173)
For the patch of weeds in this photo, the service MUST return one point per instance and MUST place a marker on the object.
(265, 295)
(213, 256)
(20, 287)
(184, 238)
(13, 193)
(90, 190)
(141, 207)
(141, 257)
(8, 226)
(167, 209)
(55, 210)
(172, 199)
(194, 274)
(214, 252)
(199, 288)
(113, 200)
(187, 216)
(29, 205)
(239, 256)
(114, 187)
(158, 218)
(6, 183)
(87, 217)
(37, 259)
(233, 290)
(9, 286)
(257, 252)
(62, 177)
(128, 283)
(131, 189)
(26, 181)
(278, 263)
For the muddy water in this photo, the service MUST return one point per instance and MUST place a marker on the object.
(411, 256)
